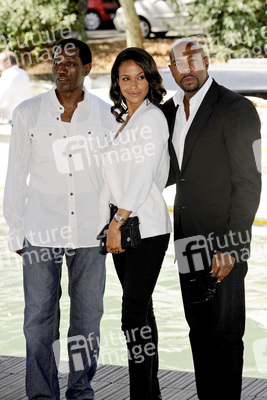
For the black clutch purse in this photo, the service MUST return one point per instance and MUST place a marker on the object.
(130, 233)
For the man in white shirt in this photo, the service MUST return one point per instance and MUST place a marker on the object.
(51, 205)
(212, 133)
(14, 86)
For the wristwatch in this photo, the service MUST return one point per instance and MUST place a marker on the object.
(118, 218)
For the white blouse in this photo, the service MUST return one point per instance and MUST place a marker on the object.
(135, 168)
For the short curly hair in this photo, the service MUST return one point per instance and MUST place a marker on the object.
(142, 58)
(85, 53)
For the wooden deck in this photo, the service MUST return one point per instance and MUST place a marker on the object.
(111, 383)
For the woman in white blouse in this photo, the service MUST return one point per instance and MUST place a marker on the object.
(135, 170)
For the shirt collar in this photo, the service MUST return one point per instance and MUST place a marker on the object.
(54, 102)
(179, 95)
(9, 69)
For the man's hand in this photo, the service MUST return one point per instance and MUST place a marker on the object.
(19, 251)
(222, 264)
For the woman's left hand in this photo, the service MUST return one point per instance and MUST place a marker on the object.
(114, 239)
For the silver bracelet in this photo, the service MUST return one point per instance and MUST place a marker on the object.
(118, 218)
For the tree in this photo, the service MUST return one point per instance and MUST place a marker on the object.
(235, 28)
(30, 25)
(132, 24)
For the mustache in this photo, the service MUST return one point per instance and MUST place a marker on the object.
(187, 76)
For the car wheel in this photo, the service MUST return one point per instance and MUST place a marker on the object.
(145, 27)
(92, 21)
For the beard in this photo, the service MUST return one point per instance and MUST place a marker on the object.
(190, 88)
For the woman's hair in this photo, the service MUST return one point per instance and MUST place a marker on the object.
(146, 62)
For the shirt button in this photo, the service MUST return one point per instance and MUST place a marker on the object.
(50, 134)
(32, 135)
(70, 155)
(57, 118)
(72, 212)
(64, 137)
(70, 174)
(71, 194)
(89, 133)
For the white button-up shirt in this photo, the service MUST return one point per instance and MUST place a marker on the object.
(14, 88)
(135, 170)
(182, 125)
(54, 174)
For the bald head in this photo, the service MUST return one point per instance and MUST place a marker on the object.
(7, 59)
(185, 47)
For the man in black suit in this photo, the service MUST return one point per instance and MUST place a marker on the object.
(213, 135)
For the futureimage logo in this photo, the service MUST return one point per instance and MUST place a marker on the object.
(83, 351)
(194, 253)
(100, 148)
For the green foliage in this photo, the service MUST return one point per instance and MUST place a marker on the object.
(234, 28)
(31, 25)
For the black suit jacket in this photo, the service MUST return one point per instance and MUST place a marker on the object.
(218, 185)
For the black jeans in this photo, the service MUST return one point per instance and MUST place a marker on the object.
(216, 331)
(138, 270)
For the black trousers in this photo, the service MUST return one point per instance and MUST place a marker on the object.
(138, 270)
(216, 331)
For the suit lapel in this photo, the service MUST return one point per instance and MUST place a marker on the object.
(202, 115)
(170, 113)
(173, 157)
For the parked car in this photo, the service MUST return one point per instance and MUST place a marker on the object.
(158, 17)
(247, 76)
(99, 11)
